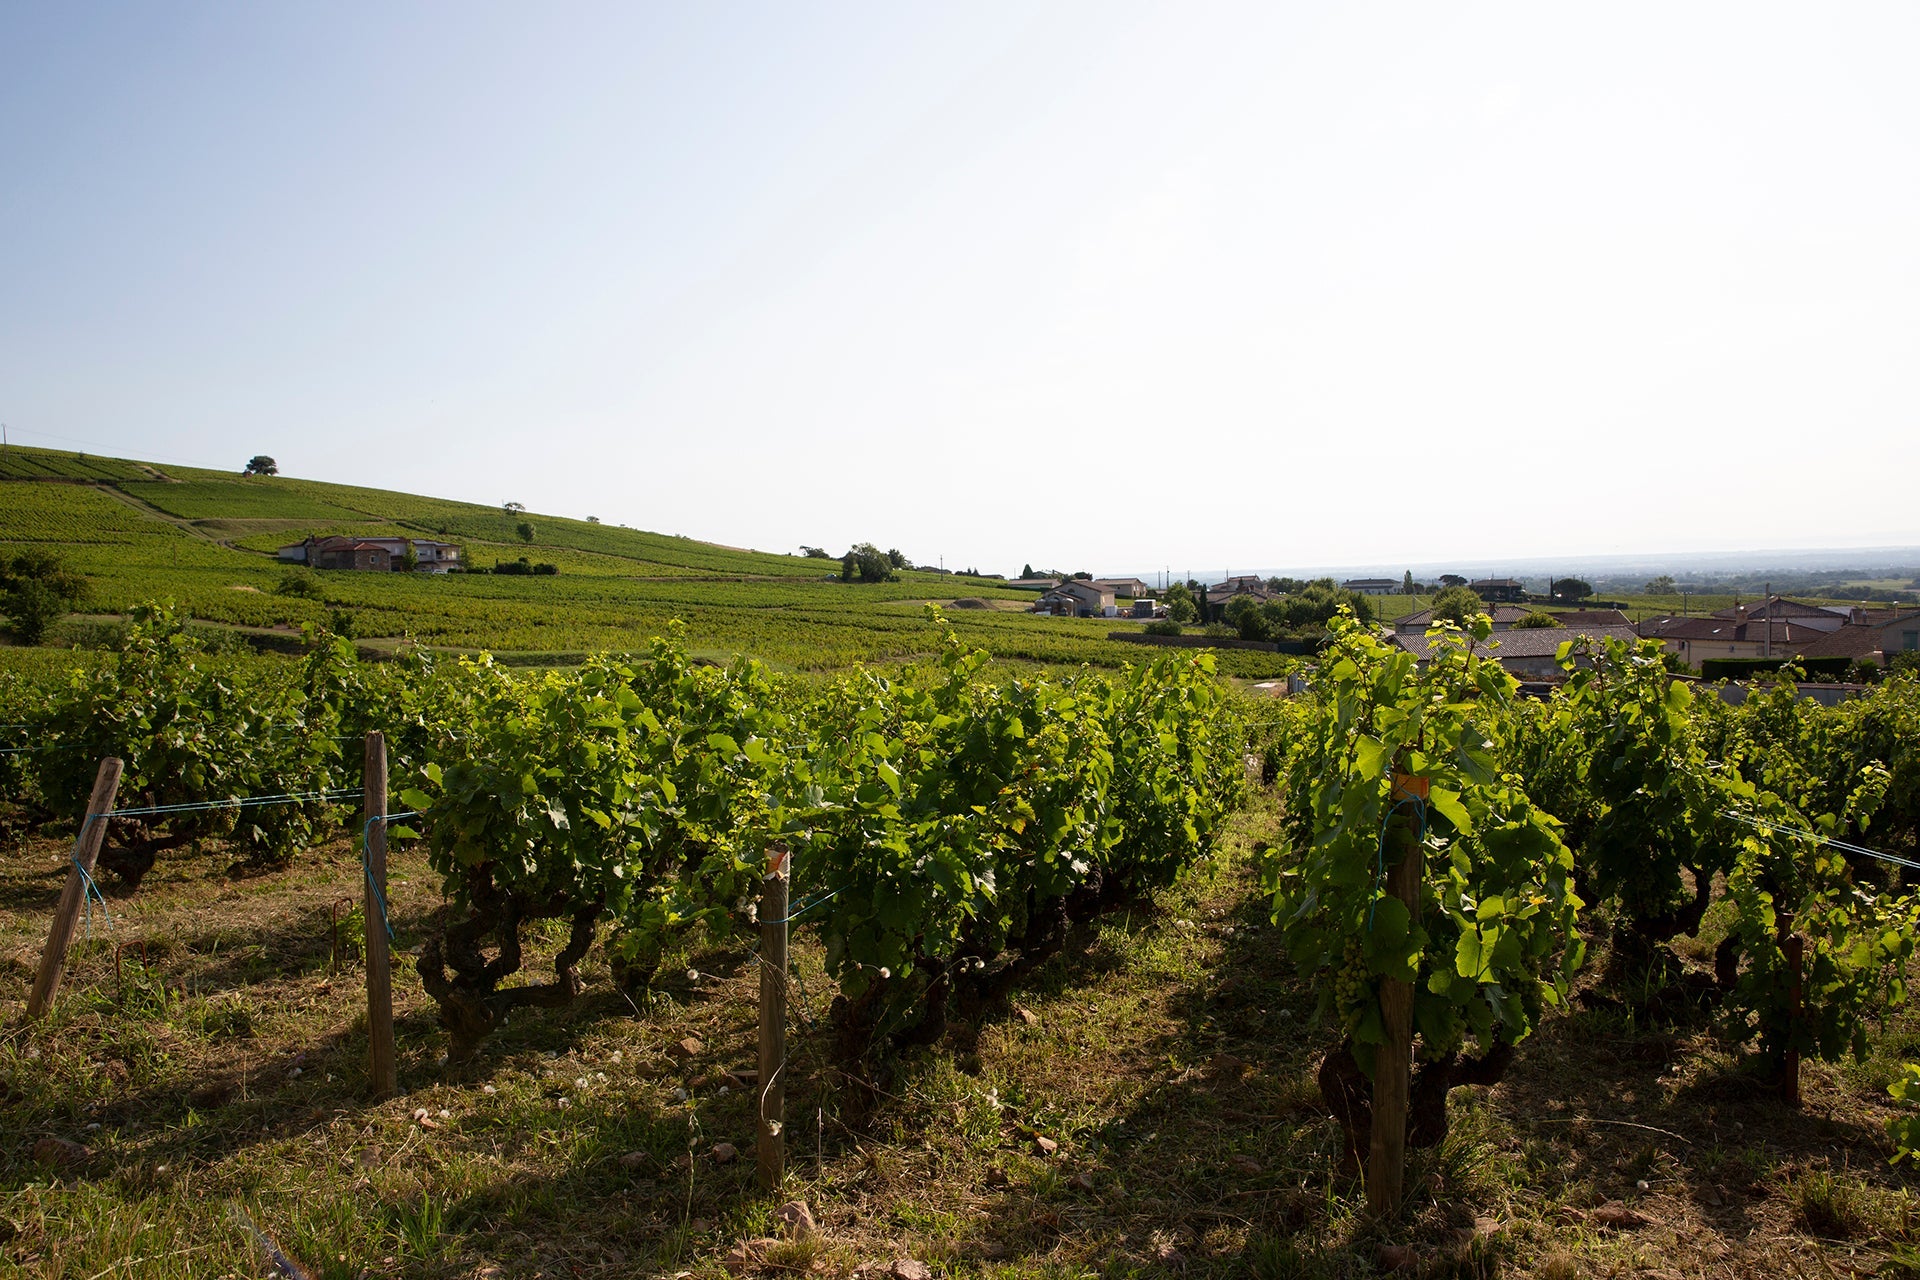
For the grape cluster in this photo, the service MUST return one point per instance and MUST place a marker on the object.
(1352, 984)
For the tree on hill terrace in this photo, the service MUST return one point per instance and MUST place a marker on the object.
(1452, 580)
(36, 589)
(865, 562)
(261, 465)
(1570, 589)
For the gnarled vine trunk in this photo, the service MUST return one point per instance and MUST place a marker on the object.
(465, 984)
(131, 849)
(1348, 1094)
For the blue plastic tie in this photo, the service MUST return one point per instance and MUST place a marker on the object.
(89, 891)
(366, 863)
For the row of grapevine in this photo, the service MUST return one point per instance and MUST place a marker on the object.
(946, 827)
(1621, 792)
(949, 825)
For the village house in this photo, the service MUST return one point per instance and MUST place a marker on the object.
(1077, 598)
(1128, 588)
(1875, 637)
(1507, 616)
(1697, 639)
(1815, 617)
(1222, 593)
(375, 555)
(1499, 590)
(1373, 586)
(1530, 653)
(1503, 615)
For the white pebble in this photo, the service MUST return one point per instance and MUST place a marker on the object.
(1642, 1185)
(489, 1090)
(679, 1095)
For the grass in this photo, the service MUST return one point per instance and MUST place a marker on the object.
(1170, 1058)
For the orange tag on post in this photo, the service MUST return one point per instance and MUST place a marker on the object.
(1408, 787)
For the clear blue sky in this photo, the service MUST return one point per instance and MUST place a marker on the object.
(1101, 285)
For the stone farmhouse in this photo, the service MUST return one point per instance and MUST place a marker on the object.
(372, 555)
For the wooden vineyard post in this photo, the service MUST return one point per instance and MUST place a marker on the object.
(382, 1071)
(772, 1081)
(93, 831)
(1393, 1064)
(1793, 949)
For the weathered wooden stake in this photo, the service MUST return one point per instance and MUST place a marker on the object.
(772, 1081)
(1793, 948)
(93, 831)
(383, 1073)
(1393, 1064)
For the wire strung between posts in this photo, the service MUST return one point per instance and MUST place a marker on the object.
(81, 746)
(1380, 847)
(1843, 845)
(237, 802)
(796, 912)
(366, 863)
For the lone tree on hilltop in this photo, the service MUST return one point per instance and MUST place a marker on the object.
(36, 590)
(261, 465)
(513, 508)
